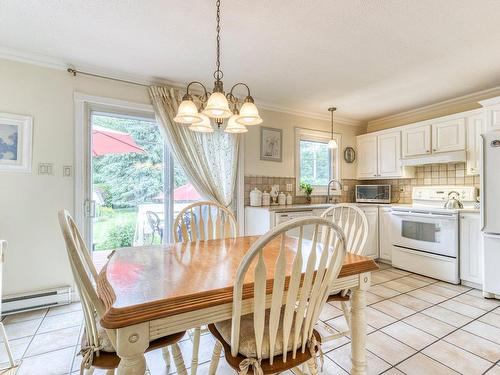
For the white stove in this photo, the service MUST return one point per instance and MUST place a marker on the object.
(425, 234)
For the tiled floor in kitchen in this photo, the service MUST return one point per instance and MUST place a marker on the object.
(416, 325)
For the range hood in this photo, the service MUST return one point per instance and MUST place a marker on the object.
(442, 157)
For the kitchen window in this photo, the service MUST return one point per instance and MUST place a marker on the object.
(315, 163)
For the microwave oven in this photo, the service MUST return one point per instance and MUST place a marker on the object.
(373, 193)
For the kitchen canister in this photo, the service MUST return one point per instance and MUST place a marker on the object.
(256, 198)
(281, 199)
(266, 198)
(289, 199)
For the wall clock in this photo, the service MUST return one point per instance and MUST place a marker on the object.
(349, 155)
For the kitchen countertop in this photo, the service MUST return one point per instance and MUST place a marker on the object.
(319, 206)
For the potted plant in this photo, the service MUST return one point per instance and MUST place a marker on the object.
(307, 189)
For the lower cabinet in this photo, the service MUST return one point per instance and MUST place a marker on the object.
(371, 247)
(385, 227)
(471, 248)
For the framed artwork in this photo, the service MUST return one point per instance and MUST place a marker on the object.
(271, 144)
(15, 143)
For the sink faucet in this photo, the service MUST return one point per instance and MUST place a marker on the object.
(328, 188)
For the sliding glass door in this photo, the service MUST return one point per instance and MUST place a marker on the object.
(135, 189)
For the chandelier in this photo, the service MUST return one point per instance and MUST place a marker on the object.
(332, 143)
(217, 105)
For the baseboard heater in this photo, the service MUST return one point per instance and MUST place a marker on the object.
(36, 300)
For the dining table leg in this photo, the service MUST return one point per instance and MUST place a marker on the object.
(358, 325)
(131, 344)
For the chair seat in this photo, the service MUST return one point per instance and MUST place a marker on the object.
(268, 368)
(109, 359)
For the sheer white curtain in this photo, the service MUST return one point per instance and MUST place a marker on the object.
(209, 160)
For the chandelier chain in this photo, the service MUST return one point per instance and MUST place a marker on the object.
(218, 73)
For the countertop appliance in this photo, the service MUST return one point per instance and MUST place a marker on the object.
(373, 193)
(425, 234)
(490, 212)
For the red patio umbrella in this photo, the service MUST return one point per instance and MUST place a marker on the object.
(107, 141)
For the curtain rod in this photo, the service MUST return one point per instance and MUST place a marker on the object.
(74, 72)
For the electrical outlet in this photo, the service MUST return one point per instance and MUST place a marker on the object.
(67, 171)
(45, 168)
(288, 187)
(346, 188)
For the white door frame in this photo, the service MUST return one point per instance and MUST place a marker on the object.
(84, 104)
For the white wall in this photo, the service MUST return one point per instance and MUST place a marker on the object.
(287, 122)
(36, 258)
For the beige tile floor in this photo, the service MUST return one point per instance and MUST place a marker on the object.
(416, 326)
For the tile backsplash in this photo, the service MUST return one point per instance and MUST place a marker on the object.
(432, 174)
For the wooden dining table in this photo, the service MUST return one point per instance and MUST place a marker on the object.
(153, 291)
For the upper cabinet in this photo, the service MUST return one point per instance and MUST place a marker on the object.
(448, 135)
(389, 154)
(416, 140)
(492, 113)
(367, 156)
(380, 156)
(475, 127)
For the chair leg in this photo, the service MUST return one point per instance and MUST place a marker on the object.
(166, 356)
(312, 367)
(178, 360)
(196, 349)
(7, 346)
(346, 309)
(215, 358)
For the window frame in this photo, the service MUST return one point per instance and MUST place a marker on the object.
(302, 134)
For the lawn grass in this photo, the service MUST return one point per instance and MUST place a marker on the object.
(105, 223)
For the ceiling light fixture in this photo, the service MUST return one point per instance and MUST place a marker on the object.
(332, 143)
(216, 105)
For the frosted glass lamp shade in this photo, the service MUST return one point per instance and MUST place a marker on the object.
(187, 113)
(333, 144)
(217, 106)
(234, 127)
(249, 114)
(202, 127)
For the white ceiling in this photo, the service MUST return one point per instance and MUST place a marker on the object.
(370, 58)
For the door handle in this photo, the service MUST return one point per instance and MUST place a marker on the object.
(90, 208)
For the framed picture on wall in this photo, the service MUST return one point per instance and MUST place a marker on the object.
(271, 144)
(15, 143)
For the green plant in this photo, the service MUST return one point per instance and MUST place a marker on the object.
(120, 235)
(306, 188)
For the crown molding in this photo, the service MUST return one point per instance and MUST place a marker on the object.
(474, 97)
(59, 64)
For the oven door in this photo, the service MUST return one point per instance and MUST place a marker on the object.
(426, 232)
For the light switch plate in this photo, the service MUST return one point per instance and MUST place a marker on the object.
(67, 170)
(45, 168)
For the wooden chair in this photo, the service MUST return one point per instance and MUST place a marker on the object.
(3, 247)
(200, 221)
(99, 344)
(277, 337)
(353, 222)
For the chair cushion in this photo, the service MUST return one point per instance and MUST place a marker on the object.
(248, 346)
(104, 340)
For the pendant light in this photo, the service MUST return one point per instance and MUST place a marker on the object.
(332, 143)
(216, 105)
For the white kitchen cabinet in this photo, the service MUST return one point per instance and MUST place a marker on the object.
(367, 156)
(492, 113)
(475, 127)
(448, 135)
(471, 249)
(385, 233)
(371, 247)
(380, 156)
(416, 140)
(389, 154)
